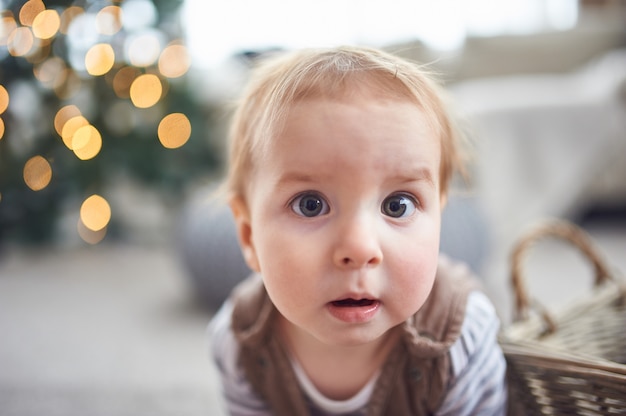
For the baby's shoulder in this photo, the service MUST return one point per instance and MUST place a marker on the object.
(223, 346)
(478, 333)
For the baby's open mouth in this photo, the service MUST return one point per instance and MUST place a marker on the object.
(354, 310)
(353, 302)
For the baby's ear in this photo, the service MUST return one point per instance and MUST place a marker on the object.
(241, 214)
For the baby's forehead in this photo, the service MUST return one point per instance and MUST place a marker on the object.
(326, 138)
(361, 100)
(356, 86)
(356, 118)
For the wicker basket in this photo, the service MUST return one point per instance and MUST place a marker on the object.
(573, 362)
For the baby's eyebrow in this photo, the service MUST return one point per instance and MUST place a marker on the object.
(303, 177)
(421, 174)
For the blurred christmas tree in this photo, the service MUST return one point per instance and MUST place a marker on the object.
(93, 92)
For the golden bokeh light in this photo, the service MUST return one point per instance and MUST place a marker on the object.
(82, 136)
(52, 72)
(99, 59)
(86, 142)
(68, 15)
(146, 90)
(30, 10)
(46, 24)
(174, 130)
(20, 41)
(95, 213)
(37, 173)
(64, 114)
(123, 79)
(70, 127)
(90, 236)
(4, 99)
(109, 20)
(134, 64)
(7, 25)
(174, 61)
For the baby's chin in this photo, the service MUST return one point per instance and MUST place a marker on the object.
(330, 332)
(362, 337)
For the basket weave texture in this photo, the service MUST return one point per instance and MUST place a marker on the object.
(572, 362)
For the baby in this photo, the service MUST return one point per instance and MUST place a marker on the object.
(340, 164)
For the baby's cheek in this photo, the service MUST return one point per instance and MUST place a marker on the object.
(415, 275)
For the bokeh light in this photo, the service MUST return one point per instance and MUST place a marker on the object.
(95, 213)
(123, 79)
(7, 25)
(145, 91)
(64, 114)
(40, 51)
(174, 61)
(20, 41)
(30, 10)
(109, 20)
(174, 130)
(37, 173)
(99, 59)
(82, 34)
(46, 24)
(90, 236)
(68, 16)
(106, 58)
(52, 72)
(138, 14)
(143, 49)
(86, 142)
(70, 127)
(4, 99)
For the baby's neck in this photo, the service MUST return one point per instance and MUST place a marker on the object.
(338, 372)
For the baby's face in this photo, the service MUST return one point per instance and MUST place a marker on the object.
(343, 217)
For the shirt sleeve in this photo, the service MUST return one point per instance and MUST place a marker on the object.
(478, 383)
(240, 399)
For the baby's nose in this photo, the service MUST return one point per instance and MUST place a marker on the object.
(358, 245)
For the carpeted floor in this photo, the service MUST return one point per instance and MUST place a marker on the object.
(106, 330)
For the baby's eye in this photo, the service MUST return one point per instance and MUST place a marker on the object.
(399, 205)
(309, 204)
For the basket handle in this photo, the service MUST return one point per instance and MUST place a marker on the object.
(564, 230)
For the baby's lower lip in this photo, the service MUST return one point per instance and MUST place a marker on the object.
(353, 310)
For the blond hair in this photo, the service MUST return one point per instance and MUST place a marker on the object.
(282, 80)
